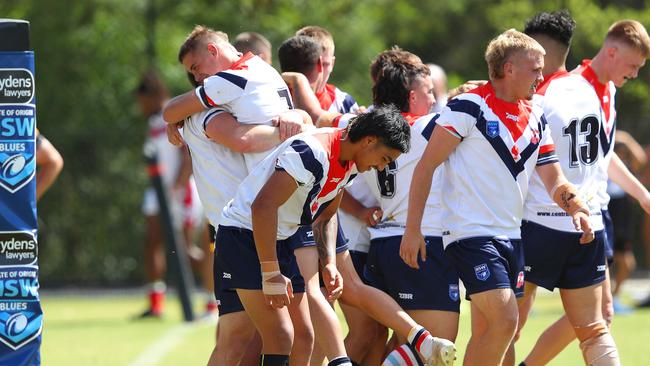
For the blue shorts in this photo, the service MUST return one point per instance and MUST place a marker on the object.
(237, 266)
(304, 237)
(359, 260)
(432, 287)
(488, 263)
(609, 235)
(557, 259)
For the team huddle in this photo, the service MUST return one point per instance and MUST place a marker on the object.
(387, 208)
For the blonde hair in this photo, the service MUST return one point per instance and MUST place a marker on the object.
(320, 34)
(501, 48)
(631, 33)
(200, 36)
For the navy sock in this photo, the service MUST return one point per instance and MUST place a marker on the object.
(274, 360)
(340, 361)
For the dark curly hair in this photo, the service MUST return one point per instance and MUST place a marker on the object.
(384, 122)
(558, 25)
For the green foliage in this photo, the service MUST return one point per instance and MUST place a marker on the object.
(90, 54)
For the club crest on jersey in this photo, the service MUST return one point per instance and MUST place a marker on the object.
(492, 128)
(482, 272)
(17, 147)
(454, 294)
(520, 279)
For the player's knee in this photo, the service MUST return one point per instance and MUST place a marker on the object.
(303, 340)
(506, 325)
(597, 344)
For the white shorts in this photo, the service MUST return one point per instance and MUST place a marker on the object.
(186, 205)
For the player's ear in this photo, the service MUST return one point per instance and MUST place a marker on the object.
(319, 65)
(213, 49)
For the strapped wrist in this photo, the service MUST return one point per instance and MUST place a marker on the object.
(273, 288)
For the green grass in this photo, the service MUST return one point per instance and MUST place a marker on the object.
(98, 331)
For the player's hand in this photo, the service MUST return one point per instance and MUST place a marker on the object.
(333, 281)
(412, 245)
(277, 289)
(174, 135)
(289, 123)
(469, 85)
(362, 109)
(581, 223)
(372, 216)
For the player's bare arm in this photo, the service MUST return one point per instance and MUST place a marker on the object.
(327, 119)
(181, 107)
(224, 129)
(277, 190)
(50, 163)
(368, 215)
(325, 231)
(440, 146)
(621, 175)
(566, 196)
(302, 94)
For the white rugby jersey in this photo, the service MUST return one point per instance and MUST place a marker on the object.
(355, 230)
(486, 177)
(333, 99)
(251, 90)
(217, 169)
(169, 156)
(574, 116)
(605, 95)
(312, 159)
(391, 186)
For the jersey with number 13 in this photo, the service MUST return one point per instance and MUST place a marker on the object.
(581, 117)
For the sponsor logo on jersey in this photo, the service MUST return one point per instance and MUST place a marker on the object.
(601, 268)
(335, 180)
(405, 296)
(482, 272)
(528, 268)
(17, 247)
(16, 86)
(512, 117)
(520, 279)
(454, 293)
(492, 128)
(227, 275)
(17, 146)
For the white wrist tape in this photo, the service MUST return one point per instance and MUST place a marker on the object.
(273, 288)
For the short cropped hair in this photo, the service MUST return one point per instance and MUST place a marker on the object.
(200, 36)
(322, 36)
(299, 54)
(558, 25)
(632, 33)
(384, 122)
(252, 42)
(501, 48)
(395, 82)
(387, 57)
(151, 85)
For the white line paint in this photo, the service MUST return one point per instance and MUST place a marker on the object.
(159, 349)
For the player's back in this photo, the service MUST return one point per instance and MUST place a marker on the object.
(311, 159)
(218, 171)
(391, 186)
(572, 111)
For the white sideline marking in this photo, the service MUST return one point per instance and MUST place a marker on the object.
(159, 349)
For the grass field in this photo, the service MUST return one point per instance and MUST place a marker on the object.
(98, 331)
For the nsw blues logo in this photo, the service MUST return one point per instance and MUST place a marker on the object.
(17, 146)
(21, 317)
(454, 294)
(482, 272)
(492, 128)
